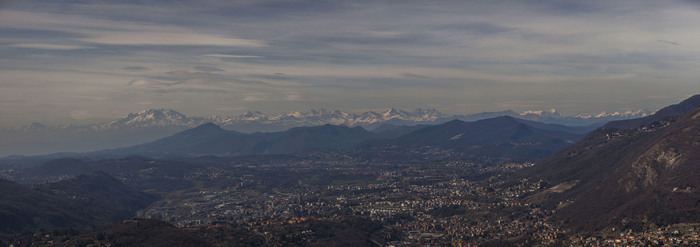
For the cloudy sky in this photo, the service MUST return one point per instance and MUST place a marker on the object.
(79, 61)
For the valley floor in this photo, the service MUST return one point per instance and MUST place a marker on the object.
(340, 199)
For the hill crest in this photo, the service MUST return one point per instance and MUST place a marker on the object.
(627, 178)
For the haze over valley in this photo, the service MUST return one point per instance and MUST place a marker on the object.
(150, 125)
(431, 123)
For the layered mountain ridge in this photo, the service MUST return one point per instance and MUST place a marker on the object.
(369, 119)
(501, 137)
(635, 174)
(152, 124)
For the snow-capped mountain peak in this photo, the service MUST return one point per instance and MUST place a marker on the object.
(151, 118)
(623, 114)
(544, 113)
(157, 115)
(394, 113)
(253, 121)
(151, 124)
(252, 116)
(30, 127)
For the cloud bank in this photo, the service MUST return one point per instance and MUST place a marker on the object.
(102, 59)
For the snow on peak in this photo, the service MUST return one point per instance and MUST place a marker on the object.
(253, 121)
(617, 114)
(550, 112)
(394, 113)
(295, 114)
(150, 118)
(32, 127)
(252, 116)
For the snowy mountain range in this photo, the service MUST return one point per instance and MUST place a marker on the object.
(255, 121)
(148, 125)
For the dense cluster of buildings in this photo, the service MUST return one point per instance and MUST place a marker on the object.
(675, 235)
(425, 205)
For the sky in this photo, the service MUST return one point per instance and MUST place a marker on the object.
(82, 61)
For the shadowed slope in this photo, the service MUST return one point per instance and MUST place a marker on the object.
(628, 178)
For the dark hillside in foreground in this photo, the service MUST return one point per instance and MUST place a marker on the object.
(343, 231)
(138, 172)
(626, 179)
(82, 201)
(137, 232)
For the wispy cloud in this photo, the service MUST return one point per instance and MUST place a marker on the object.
(288, 55)
(207, 68)
(414, 76)
(256, 98)
(50, 46)
(296, 96)
(167, 38)
(231, 56)
(226, 81)
(108, 32)
(668, 42)
(151, 83)
(136, 68)
(187, 74)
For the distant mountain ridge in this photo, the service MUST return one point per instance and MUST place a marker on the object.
(152, 124)
(264, 122)
(369, 119)
(210, 139)
(151, 118)
(501, 137)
